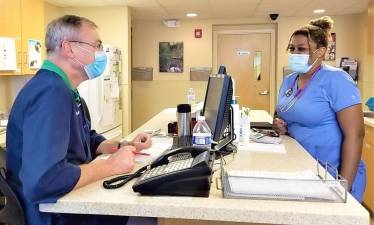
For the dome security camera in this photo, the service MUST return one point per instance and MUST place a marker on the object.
(273, 16)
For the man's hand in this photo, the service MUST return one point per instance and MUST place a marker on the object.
(108, 147)
(279, 125)
(122, 161)
(141, 141)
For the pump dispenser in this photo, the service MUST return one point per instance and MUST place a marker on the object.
(236, 122)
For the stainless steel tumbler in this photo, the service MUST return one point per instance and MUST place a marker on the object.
(184, 119)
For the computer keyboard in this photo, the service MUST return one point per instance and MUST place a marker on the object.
(181, 141)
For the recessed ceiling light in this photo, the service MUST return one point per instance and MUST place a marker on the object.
(191, 14)
(319, 11)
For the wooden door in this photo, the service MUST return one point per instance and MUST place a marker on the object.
(247, 58)
(10, 26)
(32, 29)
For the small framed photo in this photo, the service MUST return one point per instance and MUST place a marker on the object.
(171, 57)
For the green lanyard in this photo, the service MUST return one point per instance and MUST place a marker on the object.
(48, 65)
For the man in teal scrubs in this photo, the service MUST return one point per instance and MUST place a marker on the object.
(50, 144)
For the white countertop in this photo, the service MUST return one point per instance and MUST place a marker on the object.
(369, 121)
(94, 199)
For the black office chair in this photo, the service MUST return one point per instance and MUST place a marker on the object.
(11, 211)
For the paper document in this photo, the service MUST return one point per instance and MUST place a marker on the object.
(260, 147)
(157, 148)
(7, 54)
(35, 54)
(301, 185)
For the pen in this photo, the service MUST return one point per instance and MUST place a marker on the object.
(141, 153)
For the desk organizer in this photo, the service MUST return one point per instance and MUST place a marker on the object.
(324, 185)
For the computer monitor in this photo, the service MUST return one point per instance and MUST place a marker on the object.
(217, 105)
(222, 69)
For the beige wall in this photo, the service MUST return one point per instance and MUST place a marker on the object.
(51, 12)
(167, 89)
(368, 82)
(172, 88)
(114, 24)
(4, 93)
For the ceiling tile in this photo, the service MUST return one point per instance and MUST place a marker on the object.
(220, 9)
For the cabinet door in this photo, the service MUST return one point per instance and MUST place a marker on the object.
(32, 29)
(368, 156)
(10, 26)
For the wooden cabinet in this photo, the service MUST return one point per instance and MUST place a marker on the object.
(22, 20)
(10, 26)
(368, 156)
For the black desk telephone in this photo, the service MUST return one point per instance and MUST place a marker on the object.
(183, 171)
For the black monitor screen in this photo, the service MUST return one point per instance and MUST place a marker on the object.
(217, 104)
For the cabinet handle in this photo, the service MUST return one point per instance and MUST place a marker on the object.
(19, 58)
(26, 58)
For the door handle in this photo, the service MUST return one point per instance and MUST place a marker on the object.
(266, 92)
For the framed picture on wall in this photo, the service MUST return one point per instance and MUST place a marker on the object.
(331, 48)
(171, 57)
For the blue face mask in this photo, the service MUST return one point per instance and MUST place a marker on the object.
(96, 68)
(299, 63)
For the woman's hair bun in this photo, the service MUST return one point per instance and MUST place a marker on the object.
(324, 23)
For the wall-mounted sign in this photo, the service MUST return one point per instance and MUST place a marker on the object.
(198, 33)
(243, 53)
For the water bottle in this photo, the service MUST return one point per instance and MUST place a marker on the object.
(245, 125)
(201, 134)
(191, 98)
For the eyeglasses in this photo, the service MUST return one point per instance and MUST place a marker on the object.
(98, 45)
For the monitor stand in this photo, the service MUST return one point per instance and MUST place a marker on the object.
(225, 146)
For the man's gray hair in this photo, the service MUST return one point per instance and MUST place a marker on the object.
(64, 28)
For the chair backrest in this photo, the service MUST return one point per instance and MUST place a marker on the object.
(85, 110)
(12, 213)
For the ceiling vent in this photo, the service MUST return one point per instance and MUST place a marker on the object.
(171, 23)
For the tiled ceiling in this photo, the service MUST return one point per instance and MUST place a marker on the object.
(217, 9)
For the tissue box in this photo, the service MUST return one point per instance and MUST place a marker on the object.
(370, 104)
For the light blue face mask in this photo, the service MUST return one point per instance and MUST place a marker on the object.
(299, 62)
(96, 68)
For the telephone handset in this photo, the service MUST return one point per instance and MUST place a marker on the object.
(183, 171)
